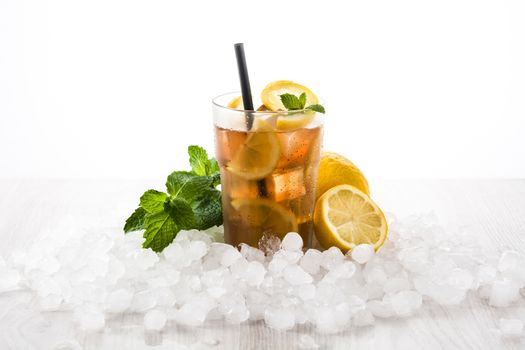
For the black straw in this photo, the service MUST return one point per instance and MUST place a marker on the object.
(245, 83)
(247, 100)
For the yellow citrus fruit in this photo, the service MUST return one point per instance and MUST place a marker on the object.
(271, 94)
(265, 215)
(345, 217)
(295, 121)
(258, 155)
(334, 169)
(236, 103)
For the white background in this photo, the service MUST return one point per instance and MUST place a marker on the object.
(99, 89)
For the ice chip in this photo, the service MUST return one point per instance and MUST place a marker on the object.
(461, 278)
(277, 265)
(362, 253)
(229, 256)
(254, 273)
(380, 308)
(311, 261)
(195, 311)
(90, 318)
(376, 275)
(306, 342)
(332, 258)
(345, 270)
(292, 242)
(406, 302)
(487, 274)
(9, 279)
(324, 320)
(363, 318)
(511, 327)
(504, 293)
(154, 320)
(509, 260)
(118, 300)
(164, 297)
(51, 302)
(252, 254)
(396, 284)
(143, 301)
(279, 318)
(305, 292)
(196, 250)
(269, 244)
(286, 185)
(295, 275)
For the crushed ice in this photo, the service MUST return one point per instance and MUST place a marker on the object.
(197, 278)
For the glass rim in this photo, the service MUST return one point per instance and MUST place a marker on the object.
(217, 104)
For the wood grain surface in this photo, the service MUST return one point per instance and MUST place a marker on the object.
(493, 209)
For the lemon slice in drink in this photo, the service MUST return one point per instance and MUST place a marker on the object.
(271, 95)
(236, 103)
(297, 121)
(258, 155)
(345, 217)
(265, 215)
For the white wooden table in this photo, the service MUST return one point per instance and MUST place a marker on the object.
(494, 209)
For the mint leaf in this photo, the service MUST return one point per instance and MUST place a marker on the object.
(186, 185)
(153, 201)
(302, 100)
(136, 221)
(199, 160)
(181, 213)
(291, 102)
(160, 231)
(214, 167)
(317, 108)
(208, 210)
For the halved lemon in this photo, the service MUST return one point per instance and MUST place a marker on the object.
(263, 215)
(258, 155)
(334, 169)
(345, 217)
(271, 94)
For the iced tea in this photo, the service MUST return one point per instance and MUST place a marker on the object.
(268, 175)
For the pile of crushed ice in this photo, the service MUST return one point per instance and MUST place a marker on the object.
(197, 278)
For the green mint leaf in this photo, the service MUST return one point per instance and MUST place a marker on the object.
(199, 160)
(186, 185)
(153, 201)
(291, 102)
(160, 231)
(136, 221)
(208, 210)
(181, 213)
(317, 108)
(302, 100)
(214, 167)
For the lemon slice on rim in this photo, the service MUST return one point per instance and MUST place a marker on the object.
(264, 215)
(345, 217)
(271, 94)
(258, 155)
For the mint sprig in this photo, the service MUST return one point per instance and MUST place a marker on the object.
(191, 202)
(293, 103)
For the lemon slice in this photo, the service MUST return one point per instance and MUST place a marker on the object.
(258, 155)
(271, 95)
(295, 121)
(236, 103)
(345, 217)
(263, 215)
(334, 169)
